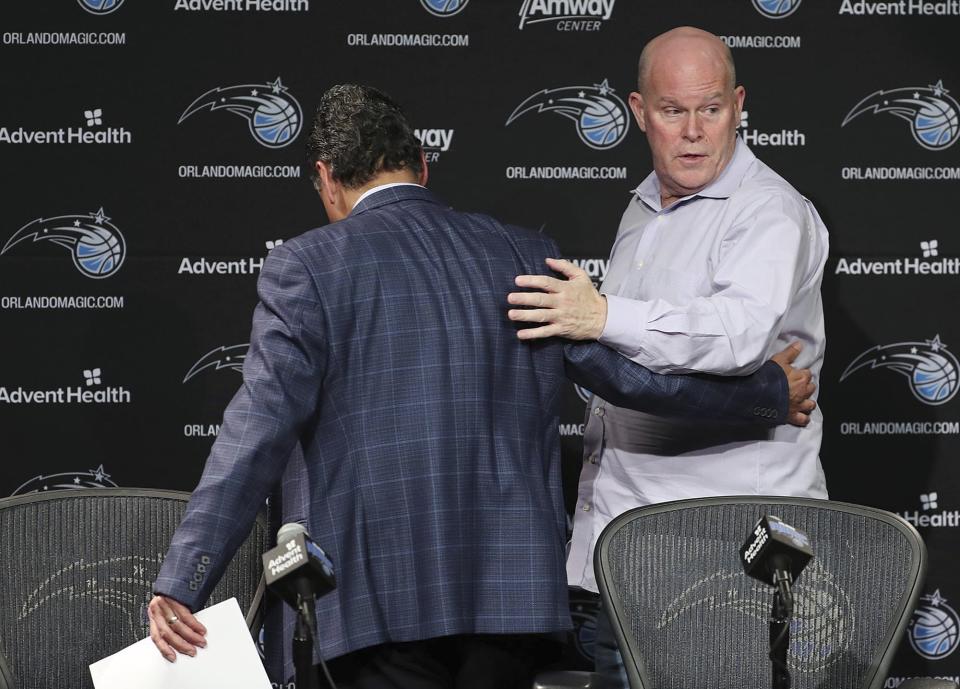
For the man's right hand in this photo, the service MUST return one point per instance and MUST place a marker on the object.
(801, 385)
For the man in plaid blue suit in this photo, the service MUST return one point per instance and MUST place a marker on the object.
(429, 430)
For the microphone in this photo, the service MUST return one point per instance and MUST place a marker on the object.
(776, 553)
(298, 571)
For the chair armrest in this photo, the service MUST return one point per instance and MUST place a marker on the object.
(928, 683)
(575, 679)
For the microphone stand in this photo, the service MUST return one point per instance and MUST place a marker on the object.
(306, 674)
(780, 615)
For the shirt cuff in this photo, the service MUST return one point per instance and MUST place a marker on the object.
(626, 325)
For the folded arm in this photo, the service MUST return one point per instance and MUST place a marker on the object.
(774, 394)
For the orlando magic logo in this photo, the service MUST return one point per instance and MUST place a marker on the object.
(934, 628)
(776, 9)
(823, 623)
(92, 478)
(443, 8)
(120, 586)
(231, 358)
(933, 114)
(100, 6)
(930, 369)
(598, 113)
(272, 113)
(95, 244)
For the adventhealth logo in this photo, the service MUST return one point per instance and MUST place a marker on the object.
(243, 5)
(90, 392)
(754, 137)
(929, 262)
(251, 265)
(930, 515)
(92, 133)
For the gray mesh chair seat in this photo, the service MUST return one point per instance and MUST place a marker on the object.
(686, 617)
(76, 577)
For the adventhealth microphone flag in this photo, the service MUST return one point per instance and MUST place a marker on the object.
(152, 155)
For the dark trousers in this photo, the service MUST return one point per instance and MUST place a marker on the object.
(471, 661)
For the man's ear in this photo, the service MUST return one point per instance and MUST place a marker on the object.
(636, 106)
(329, 187)
(424, 174)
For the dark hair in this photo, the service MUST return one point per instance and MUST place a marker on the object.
(360, 132)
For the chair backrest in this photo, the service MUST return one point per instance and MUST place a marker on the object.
(687, 617)
(76, 577)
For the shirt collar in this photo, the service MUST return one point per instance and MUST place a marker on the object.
(381, 187)
(720, 188)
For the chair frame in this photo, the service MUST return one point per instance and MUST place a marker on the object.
(879, 664)
(253, 617)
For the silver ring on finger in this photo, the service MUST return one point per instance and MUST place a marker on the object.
(173, 619)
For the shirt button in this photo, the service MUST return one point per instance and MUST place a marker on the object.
(598, 411)
(639, 265)
(586, 507)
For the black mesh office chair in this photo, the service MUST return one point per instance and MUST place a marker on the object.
(76, 576)
(687, 617)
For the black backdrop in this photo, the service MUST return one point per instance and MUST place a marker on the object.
(133, 225)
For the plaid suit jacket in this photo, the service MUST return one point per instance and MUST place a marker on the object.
(429, 431)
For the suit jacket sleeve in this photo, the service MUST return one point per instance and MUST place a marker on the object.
(282, 375)
(762, 398)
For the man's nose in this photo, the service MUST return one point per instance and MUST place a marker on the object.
(692, 129)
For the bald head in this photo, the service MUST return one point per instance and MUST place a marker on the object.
(683, 46)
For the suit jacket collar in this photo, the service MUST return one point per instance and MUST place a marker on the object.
(405, 192)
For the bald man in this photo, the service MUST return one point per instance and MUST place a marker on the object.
(717, 264)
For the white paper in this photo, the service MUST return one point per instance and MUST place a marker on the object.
(230, 659)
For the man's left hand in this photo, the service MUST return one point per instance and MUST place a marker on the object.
(174, 628)
(570, 308)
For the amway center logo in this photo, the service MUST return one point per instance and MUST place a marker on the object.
(754, 137)
(250, 265)
(569, 15)
(930, 514)
(95, 244)
(930, 370)
(100, 6)
(444, 8)
(934, 629)
(928, 263)
(93, 133)
(434, 142)
(932, 114)
(92, 478)
(599, 115)
(273, 115)
(776, 9)
(90, 392)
